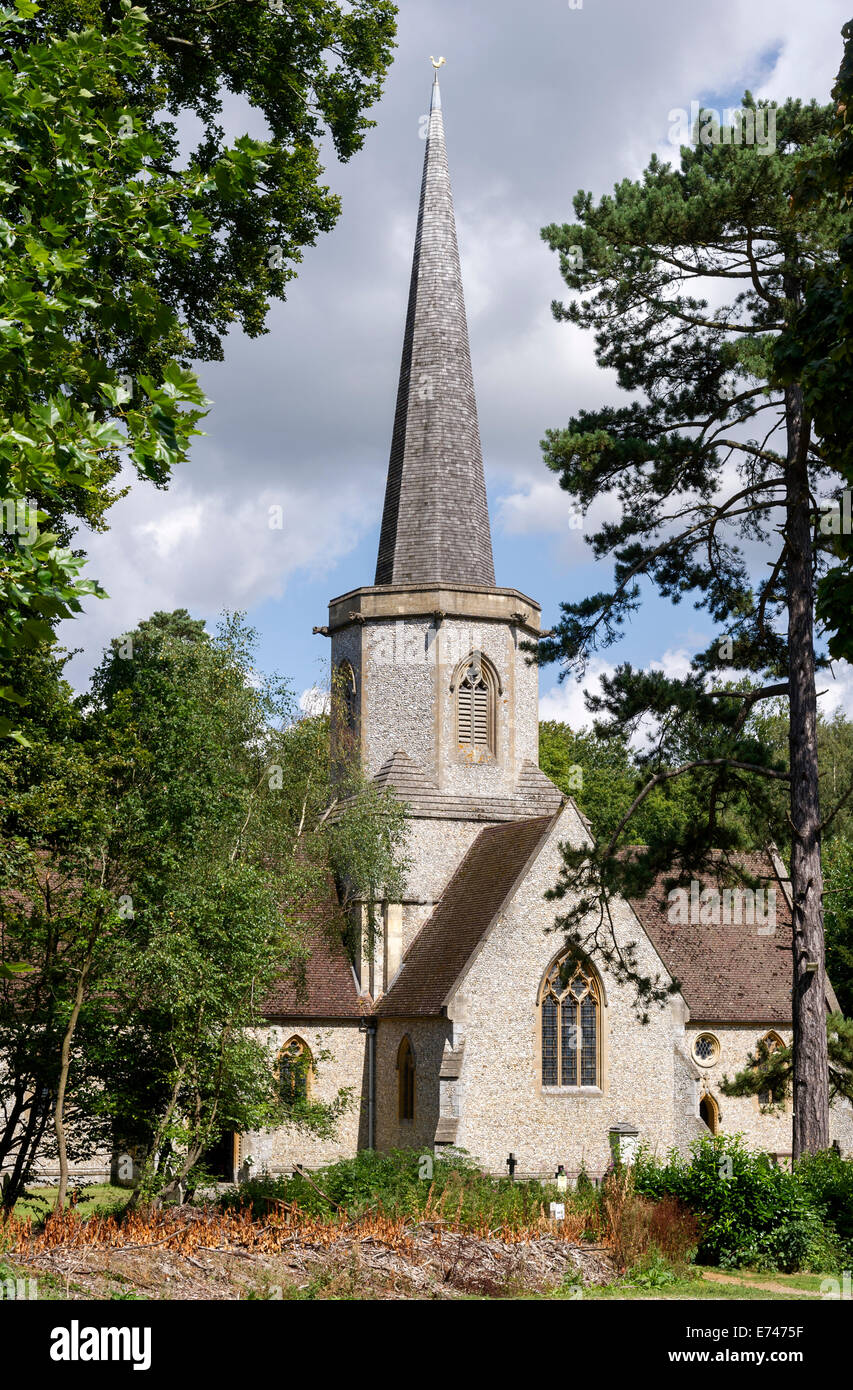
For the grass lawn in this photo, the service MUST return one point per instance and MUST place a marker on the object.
(702, 1288)
(100, 1198)
(810, 1282)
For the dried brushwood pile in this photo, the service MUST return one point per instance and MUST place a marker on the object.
(189, 1252)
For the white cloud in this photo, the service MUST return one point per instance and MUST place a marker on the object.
(315, 700)
(674, 663)
(207, 552)
(565, 702)
(537, 506)
(835, 689)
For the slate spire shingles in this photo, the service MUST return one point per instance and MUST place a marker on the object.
(435, 525)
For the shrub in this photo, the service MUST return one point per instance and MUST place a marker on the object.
(654, 1271)
(395, 1183)
(749, 1211)
(639, 1228)
(828, 1180)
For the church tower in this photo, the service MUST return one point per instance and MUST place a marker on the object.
(441, 700)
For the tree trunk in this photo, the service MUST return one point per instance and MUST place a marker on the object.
(65, 1063)
(810, 1067)
(16, 1180)
(142, 1190)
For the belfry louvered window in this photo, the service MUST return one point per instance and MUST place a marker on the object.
(475, 706)
(570, 1002)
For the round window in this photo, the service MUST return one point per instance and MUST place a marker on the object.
(706, 1049)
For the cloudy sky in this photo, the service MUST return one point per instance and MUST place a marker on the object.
(540, 100)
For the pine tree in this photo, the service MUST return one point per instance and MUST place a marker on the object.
(716, 448)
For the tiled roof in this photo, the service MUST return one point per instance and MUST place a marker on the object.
(728, 973)
(435, 523)
(535, 794)
(460, 921)
(325, 987)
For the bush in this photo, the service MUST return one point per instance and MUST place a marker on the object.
(828, 1179)
(750, 1212)
(639, 1228)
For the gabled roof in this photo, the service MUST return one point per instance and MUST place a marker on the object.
(460, 922)
(435, 523)
(728, 973)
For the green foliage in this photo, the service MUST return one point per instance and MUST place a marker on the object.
(654, 1271)
(122, 259)
(817, 347)
(828, 1178)
(686, 277)
(399, 1183)
(87, 224)
(770, 1068)
(602, 776)
(155, 858)
(309, 69)
(751, 1212)
(768, 724)
(837, 859)
(225, 840)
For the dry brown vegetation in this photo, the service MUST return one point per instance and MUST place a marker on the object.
(202, 1253)
(275, 1248)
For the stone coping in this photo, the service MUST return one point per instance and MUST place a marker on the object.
(390, 601)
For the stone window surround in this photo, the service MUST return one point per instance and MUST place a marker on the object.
(305, 1059)
(581, 1092)
(490, 752)
(786, 1106)
(706, 1062)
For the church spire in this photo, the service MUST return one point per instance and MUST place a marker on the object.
(435, 525)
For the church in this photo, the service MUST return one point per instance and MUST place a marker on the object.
(463, 1026)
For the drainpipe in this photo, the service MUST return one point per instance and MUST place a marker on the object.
(368, 1026)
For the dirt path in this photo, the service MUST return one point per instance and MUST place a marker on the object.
(754, 1284)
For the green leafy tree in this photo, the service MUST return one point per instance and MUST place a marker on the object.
(121, 260)
(228, 841)
(838, 919)
(601, 775)
(85, 221)
(60, 913)
(311, 68)
(835, 771)
(166, 846)
(714, 450)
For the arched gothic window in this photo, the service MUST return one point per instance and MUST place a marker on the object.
(709, 1111)
(346, 692)
(294, 1071)
(477, 688)
(772, 1095)
(405, 1080)
(570, 1004)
